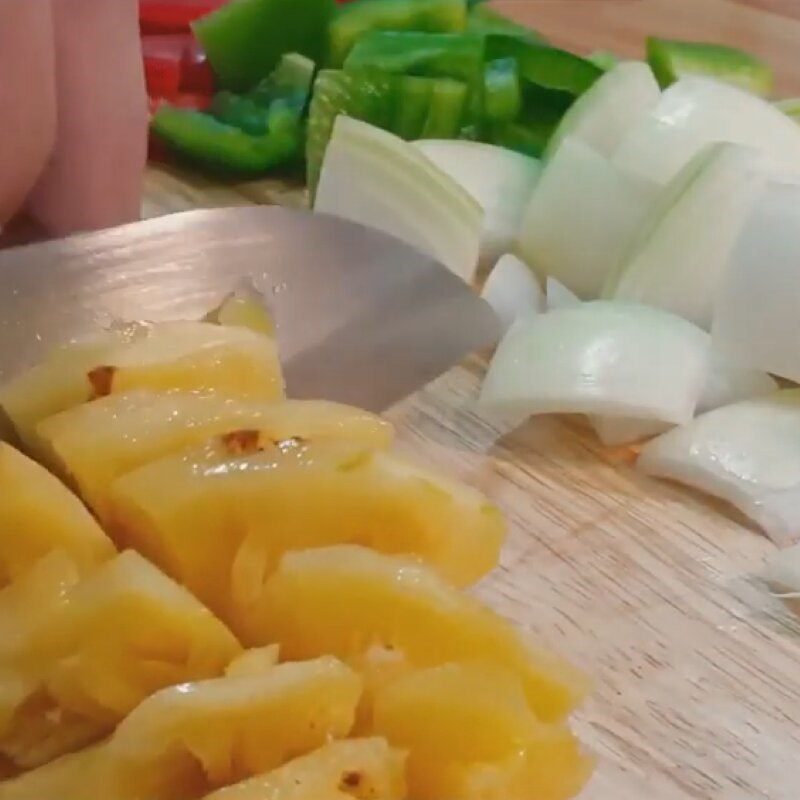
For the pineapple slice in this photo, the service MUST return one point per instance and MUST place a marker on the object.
(245, 308)
(95, 443)
(186, 356)
(367, 769)
(254, 662)
(37, 515)
(344, 600)
(471, 736)
(78, 656)
(219, 522)
(190, 740)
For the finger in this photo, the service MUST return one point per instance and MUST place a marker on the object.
(27, 98)
(94, 179)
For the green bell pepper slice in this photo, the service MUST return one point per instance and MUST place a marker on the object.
(244, 39)
(546, 67)
(441, 55)
(447, 110)
(353, 20)
(502, 92)
(671, 60)
(412, 106)
(215, 145)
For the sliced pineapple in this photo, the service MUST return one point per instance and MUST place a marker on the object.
(245, 308)
(215, 733)
(95, 443)
(344, 600)
(254, 662)
(471, 736)
(368, 769)
(186, 356)
(84, 654)
(37, 515)
(189, 740)
(219, 523)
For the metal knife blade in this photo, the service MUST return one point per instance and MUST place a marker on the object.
(362, 318)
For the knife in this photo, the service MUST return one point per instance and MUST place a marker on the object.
(362, 318)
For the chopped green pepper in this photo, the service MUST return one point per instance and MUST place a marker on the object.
(604, 59)
(411, 108)
(352, 20)
(502, 93)
(221, 147)
(671, 60)
(546, 67)
(244, 39)
(368, 95)
(482, 19)
(446, 55)
(447, 108)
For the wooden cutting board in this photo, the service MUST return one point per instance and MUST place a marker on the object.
(643, 584)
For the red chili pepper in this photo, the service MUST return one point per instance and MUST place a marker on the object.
(173, 16)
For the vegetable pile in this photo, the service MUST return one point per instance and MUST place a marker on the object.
(284, 619)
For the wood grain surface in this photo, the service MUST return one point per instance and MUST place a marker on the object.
(646, 586)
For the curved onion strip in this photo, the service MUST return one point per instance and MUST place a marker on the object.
(604, 358)
(512, 290)
(374, 178)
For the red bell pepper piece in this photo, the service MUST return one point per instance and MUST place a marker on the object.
(176, 63)
(196, 75)
(173, 16)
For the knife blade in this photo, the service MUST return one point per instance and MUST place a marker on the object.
(362, 318)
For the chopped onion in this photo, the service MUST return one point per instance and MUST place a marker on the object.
(500, 180)
(747, 454)
(608, 358)
(558, 296)
(374, 178)
(512, 290)
(603, 115)
(757, 319)
(724, 384)
(582, 218)
(782, 573)
(682, 251)
(697, 111)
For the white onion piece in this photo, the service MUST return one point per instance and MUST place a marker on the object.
(374, 178)
(782, 572)
(747, 454)
(682, 251)
(606, 358)
(757, 319)
(500, 180)
(602, 116)
(558, 296)
(512, 290)
(581, 219)
(724, 384)
(697, 111)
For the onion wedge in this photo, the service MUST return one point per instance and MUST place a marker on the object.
(782, 573)
(724, 384)
(599, 358)
(374, 178)
(757, 323)
(558, 296)
(512, 290)
(603, 115)
(500, 180)
(695, 112)
(747, 454)
(581, 219)
(682, 251)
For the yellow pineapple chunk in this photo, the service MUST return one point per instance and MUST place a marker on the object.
(94, 443)
(471, 736)
(37, 515)
(367, 769)
(186, 356)
(344, 600)
(189, 740)
(254, 662)
(245, 308)
(193, 739)
(78, 656)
